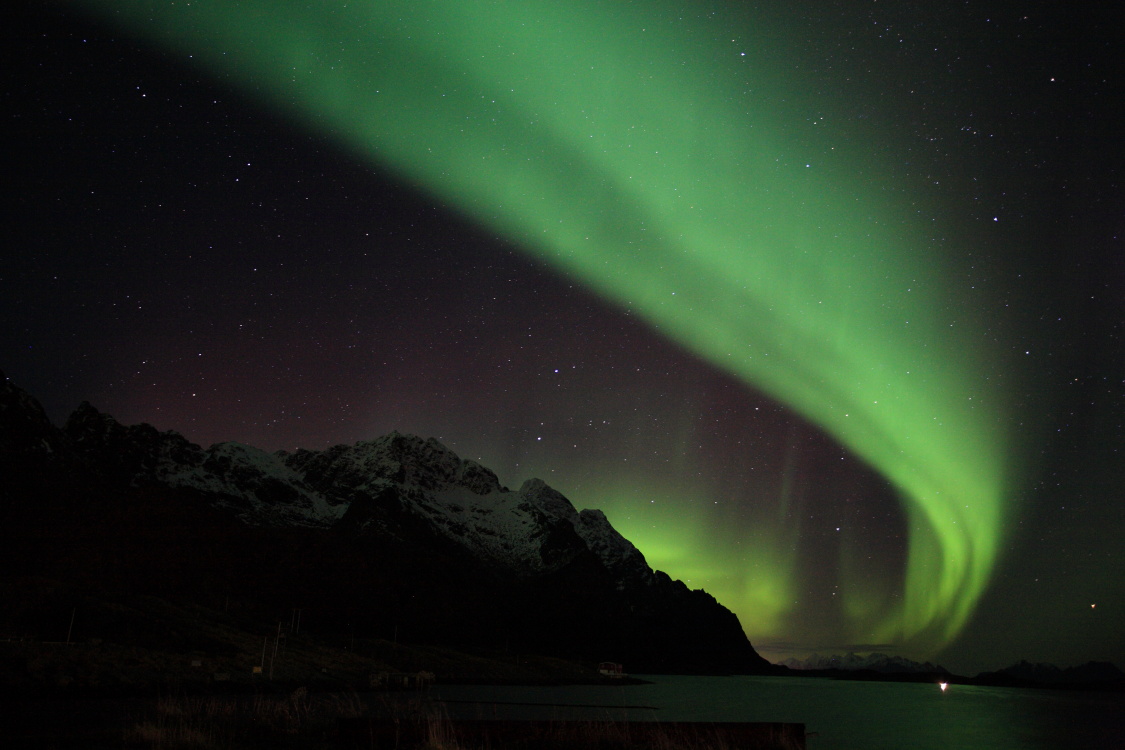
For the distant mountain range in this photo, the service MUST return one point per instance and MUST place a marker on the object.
(1094, 674)
(1089, 676)
(393, 537)
(874, 662)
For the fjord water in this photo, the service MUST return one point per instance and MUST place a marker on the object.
(836, 714)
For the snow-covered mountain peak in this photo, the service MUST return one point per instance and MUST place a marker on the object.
(875, 662)
(139, 454)
(14, 399)
(540, 495)
(406, 460)
(615, 551)
(263, 488)
(25, 430)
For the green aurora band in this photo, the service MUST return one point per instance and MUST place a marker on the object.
(677, 169)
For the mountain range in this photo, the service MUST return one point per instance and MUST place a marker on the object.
(395, 537)
(874, 662)
(1099, 675)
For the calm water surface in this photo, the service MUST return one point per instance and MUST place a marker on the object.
(868, 715)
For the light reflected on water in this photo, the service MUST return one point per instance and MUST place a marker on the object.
(842, 714)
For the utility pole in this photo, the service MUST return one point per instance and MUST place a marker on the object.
(295, 621)
(276, 639)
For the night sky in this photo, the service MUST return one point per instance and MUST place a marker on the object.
(821, 303)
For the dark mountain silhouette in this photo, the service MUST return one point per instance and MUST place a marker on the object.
(391, 538)
(1091, 675)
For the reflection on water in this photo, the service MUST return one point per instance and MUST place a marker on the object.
(842, 714)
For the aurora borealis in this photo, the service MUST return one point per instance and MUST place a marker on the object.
(692, 265)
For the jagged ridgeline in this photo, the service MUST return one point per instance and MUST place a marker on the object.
(393, 537)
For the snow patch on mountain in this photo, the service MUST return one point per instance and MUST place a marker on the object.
(256, 484)
(499, 527)
(528, 531)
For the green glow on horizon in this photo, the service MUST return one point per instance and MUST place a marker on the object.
(649, 158)
(763, 583)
